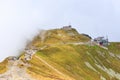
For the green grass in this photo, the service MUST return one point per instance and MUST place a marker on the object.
(114, 47)
(60, 36)
(70, 60)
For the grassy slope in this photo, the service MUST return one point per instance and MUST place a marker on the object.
(57, 36)
(70, 59)
(114, 47)
(3, 66)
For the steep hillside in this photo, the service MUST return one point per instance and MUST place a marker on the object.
(61, 54)
(114, 47)
(80, 62)
(63, 50)
(58, 36)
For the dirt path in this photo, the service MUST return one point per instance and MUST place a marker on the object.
(15, 72)
(50, 66)
(66, 77)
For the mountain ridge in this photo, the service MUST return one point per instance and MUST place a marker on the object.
(65, 54)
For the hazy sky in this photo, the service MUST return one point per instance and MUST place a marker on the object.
(21, 19)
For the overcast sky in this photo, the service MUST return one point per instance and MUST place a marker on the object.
(21, 19)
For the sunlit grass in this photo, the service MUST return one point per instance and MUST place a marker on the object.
(3, 66)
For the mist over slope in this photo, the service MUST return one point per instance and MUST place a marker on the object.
(14, 39)
(64, 54)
